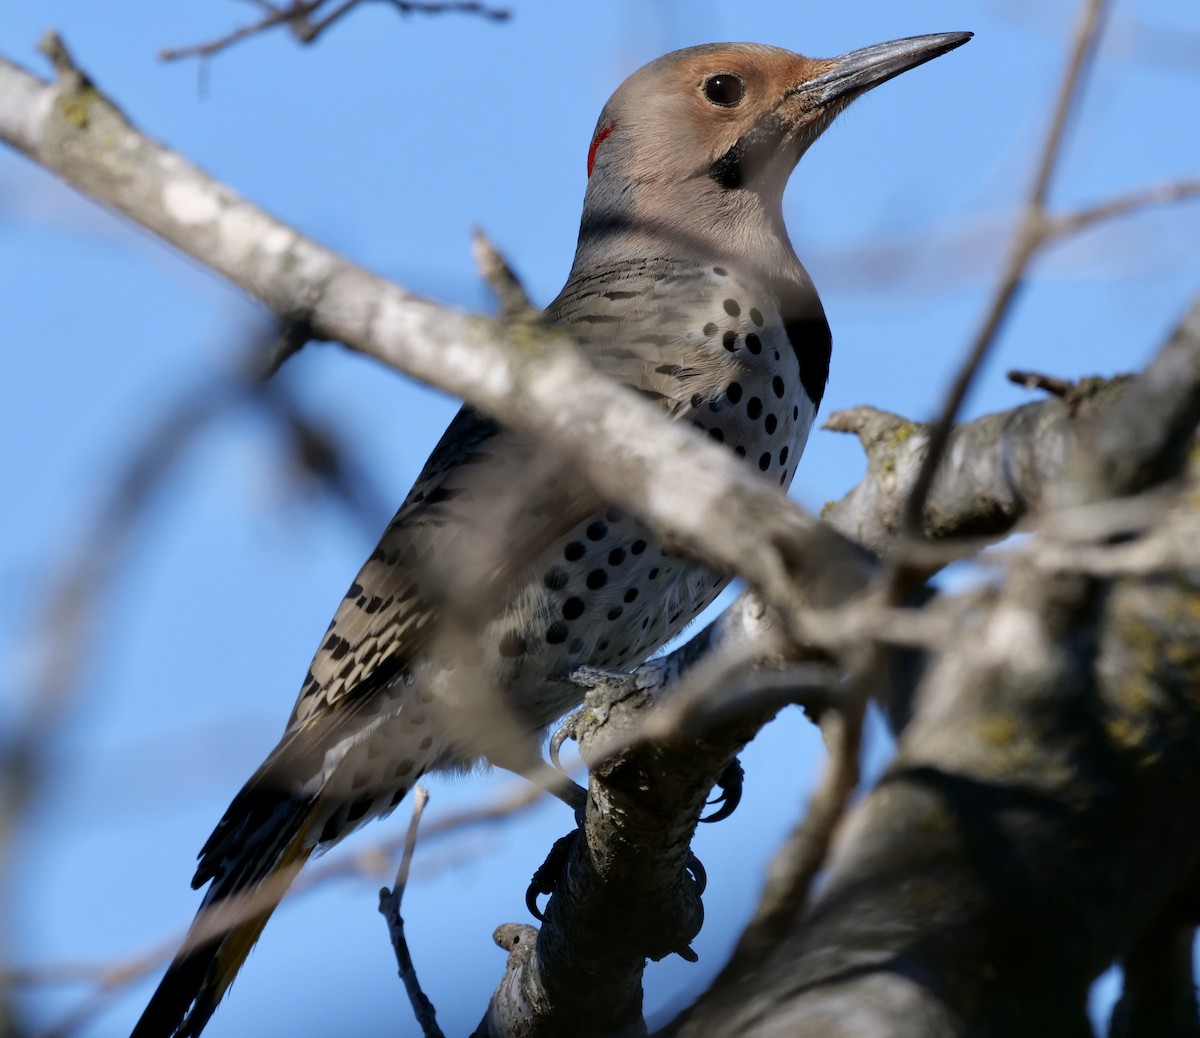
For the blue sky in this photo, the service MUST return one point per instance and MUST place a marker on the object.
(389, 140)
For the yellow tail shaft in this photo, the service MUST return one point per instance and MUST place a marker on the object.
(244, 893)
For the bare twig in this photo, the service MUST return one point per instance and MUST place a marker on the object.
(301, 17)
(389, 908)
(1030, 235)
(1059, 387)
(497, 272)
(1122, 205)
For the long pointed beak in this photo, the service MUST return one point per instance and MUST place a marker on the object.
(860, 70)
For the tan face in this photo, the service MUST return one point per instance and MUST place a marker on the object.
(676, 118)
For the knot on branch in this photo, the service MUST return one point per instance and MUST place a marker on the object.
(517, 939)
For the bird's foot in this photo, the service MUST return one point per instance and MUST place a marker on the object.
(545, 877)
(730, 785)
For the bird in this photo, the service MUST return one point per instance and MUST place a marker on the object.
(686, 288)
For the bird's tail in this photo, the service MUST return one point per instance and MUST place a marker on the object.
(250, 859)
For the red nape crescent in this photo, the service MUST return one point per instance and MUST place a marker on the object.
(599, 139)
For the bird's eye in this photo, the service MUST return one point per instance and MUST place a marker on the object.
(724, 89)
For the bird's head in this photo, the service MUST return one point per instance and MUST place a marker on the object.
(703, 139)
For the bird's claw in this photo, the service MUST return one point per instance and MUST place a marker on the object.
(545, 877)
(698, 872)
(730, 785)
(565, 731)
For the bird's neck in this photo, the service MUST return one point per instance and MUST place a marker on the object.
(696, 221)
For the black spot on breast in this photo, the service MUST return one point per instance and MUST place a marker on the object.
(709, 330)
(574, 551)
(756, 316)
(764, 462)
(732, 308)
(770, 423)
(740, 451)
(556, 578)
(777, 386)
(616, 556)
(783, 455)
(556, 633)
(754, 407)
(716, 434)
(734, 392)
(631, 595)
(597, 579)
(572, 608)
(754, 344)
(637, 547)
(615, 612)
(597, 531)
(729, 341)
(403, 768)
(511, 645)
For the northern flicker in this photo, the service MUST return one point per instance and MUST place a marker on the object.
(684, 287)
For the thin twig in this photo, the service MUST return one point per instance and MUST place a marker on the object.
(1031, 234)
(276, 17)
(497, 272)
(389, 908)
(1051, 384)
(298, 16)
(1123, 205)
